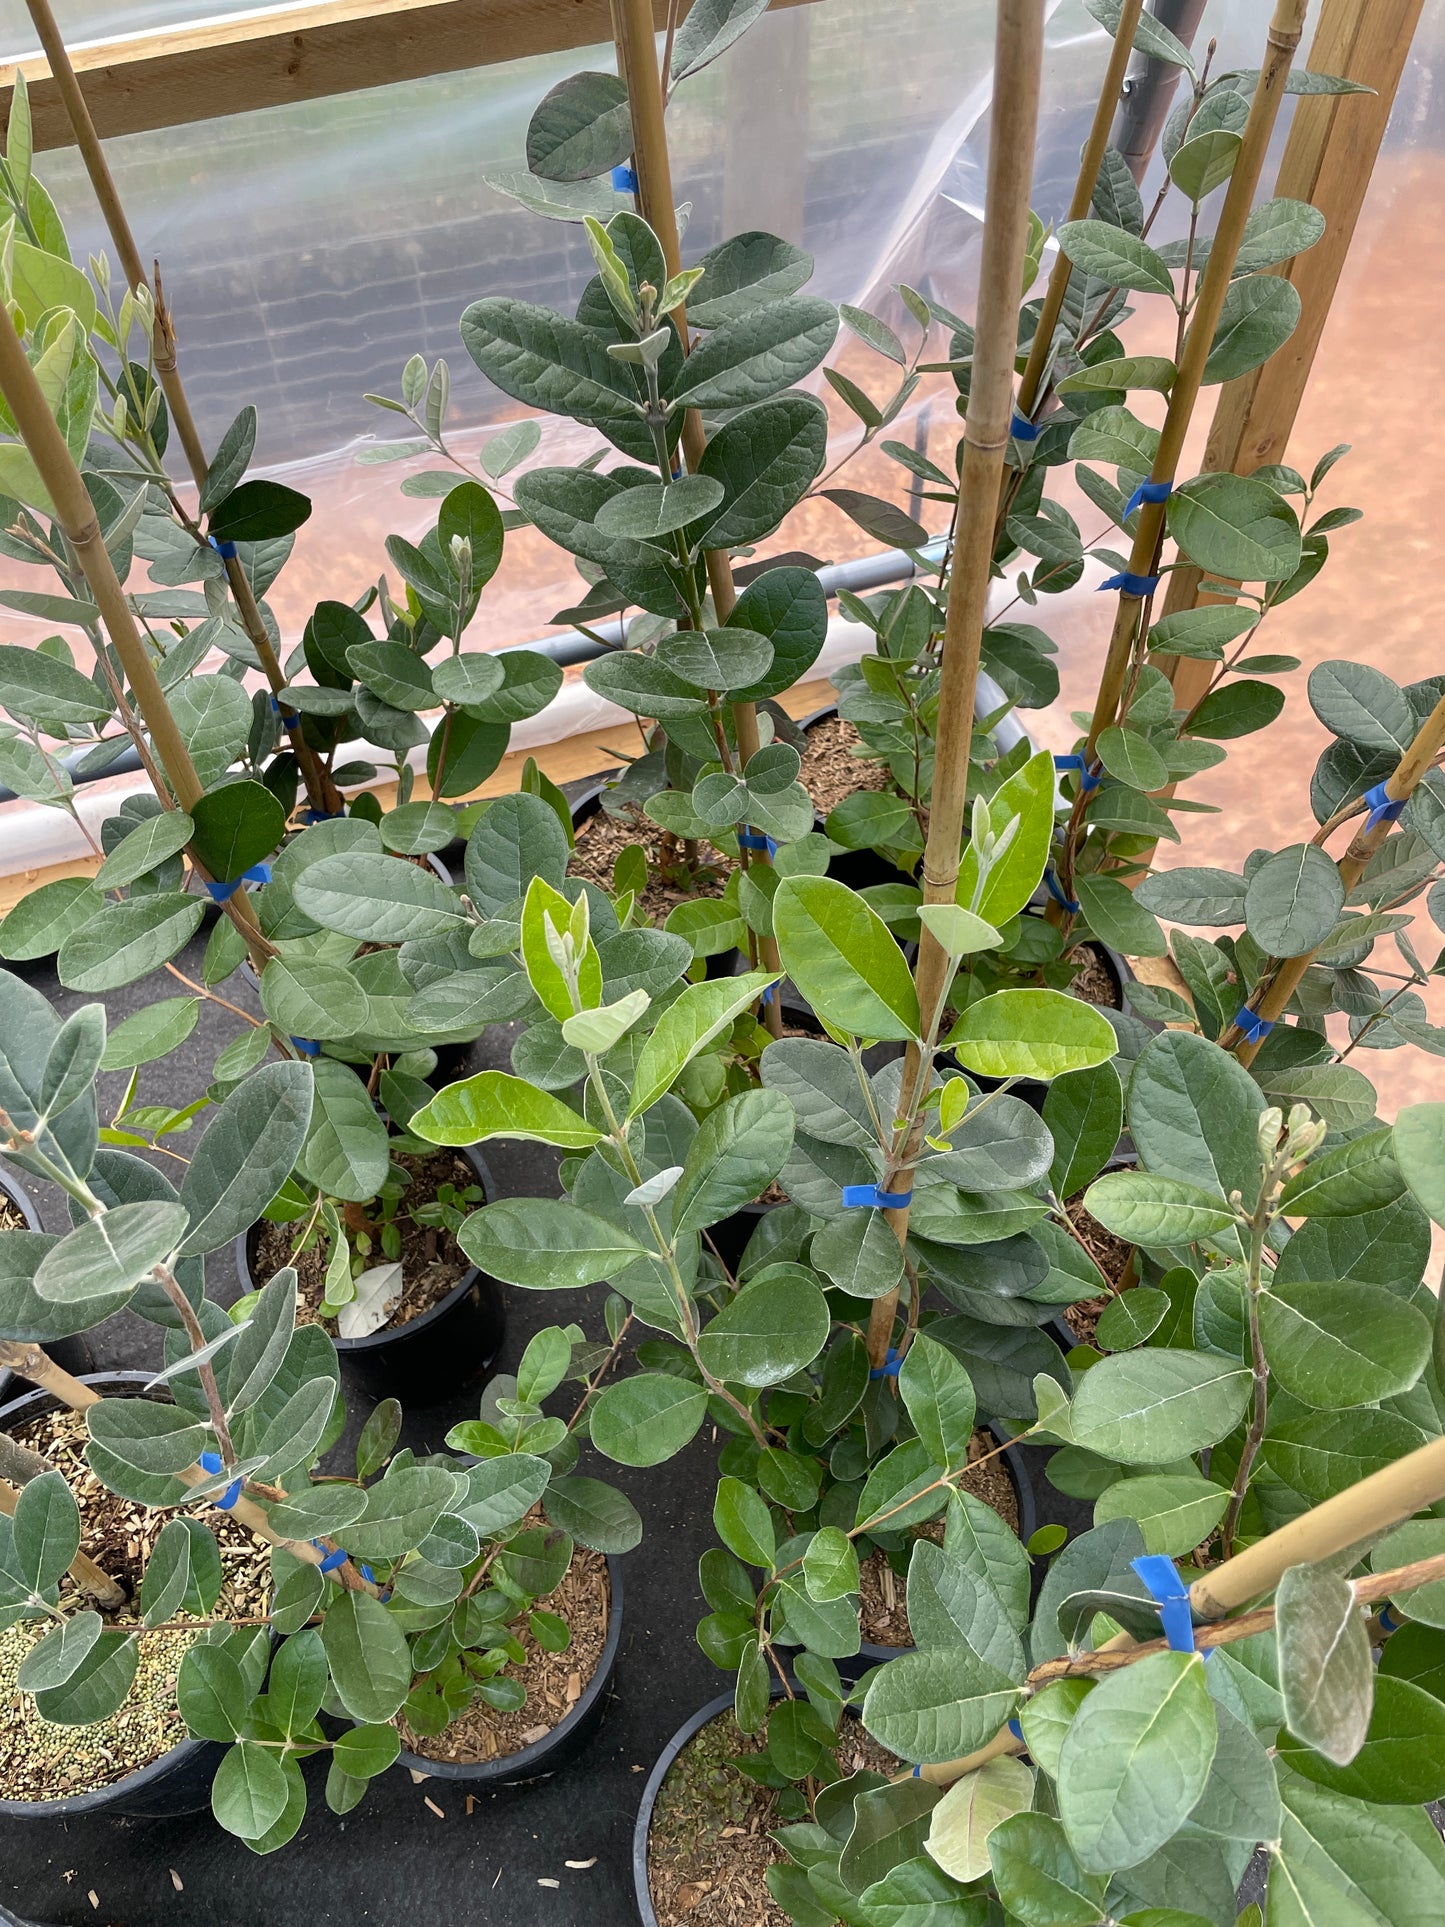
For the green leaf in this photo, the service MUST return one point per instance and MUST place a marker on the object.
(1325, 1670)
(1135, 1760)
(1154, 1406)
(111, 1252)
(1338, 1345)
(1111, 255)
(594, 1514)
(1038, 1876)
(1151, 1210)
(931, 1706)
(756, 357)
(1363, 705)
(746, 272)
(1179, 1079)
(144, 849)
(940, 1400)
(1084, 1112)
(1115, 914)
(710, 29)
(401, 1510)
(97, 1688)
(1201, 164)
(738, 1150)
(688, 1025)
(59, 1656)
(1260, 313)
(377, 898)
(1322, 1453)
(766, 459)
(775, 1326)
(368, 1656)
(247, 1153)
(250, 1791)
(231, 459)
(41, 921)
(211, 1693)
(1132, 758)
(744, 1523)
(1031, 1033)
(73, 1060)
(501, 1491)
(1025, 800)
(492, 1104)
(652, 511)
(46, 1525)
(1403, 1755)
(963, 1820)
(1339, 1860)
(126, 941)
(306, 997)
(830, 1565)
(345, 1153)
(1122, 371)
(258, 511)
(1175, 1511)
(580, 128)
(878, 518)
(235, 827)
(647, 1419)
(546, 1244)
(1234, 528)
(154, 1031)
(1362, 1174)
(366, 1751)
(1294, 901)
(1420, 1153)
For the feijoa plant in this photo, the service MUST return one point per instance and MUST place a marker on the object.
(399, 1591)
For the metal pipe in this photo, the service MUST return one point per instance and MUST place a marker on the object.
(868, 572)
(1150, 88)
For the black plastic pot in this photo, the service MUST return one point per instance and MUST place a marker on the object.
(430, 1357)
(180, 1781)
(72, 1355)
(868, 1655)
(565, 1741)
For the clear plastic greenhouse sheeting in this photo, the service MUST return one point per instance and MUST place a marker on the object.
(309, 250)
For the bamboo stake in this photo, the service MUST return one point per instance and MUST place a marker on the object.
(635, 35)
(1271, 996)
(29, 1361)
(90, 1577)
(1089, 165)
(1282, 39)
(320, 790)
(1018, 59)
(76, 515)
(1351, 1518)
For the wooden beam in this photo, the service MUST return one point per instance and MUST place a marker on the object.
(276, 56)
(1328, 161)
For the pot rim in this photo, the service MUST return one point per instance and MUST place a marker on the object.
(378, 1340)
(642, 1826)
(100, 1798)
(15, 1191)
(531, 1761)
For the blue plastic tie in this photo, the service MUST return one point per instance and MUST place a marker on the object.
(1142, 586)
(1023, 430)
(211, 1462)
(1383, 807)
(307, 1046)
(1171, 1595)
(227, 550)
(332, 1559)
(1015, 1729)
(1051, 882)
(1147, 492)
(1251, 1026)
(1387, 1623)
(290, 718)
(769, 994)
(367, 1574)
(624, 179)
(889, 1367)
(750, 840)
(918, 1773)
(1089, 779)
(869, 1197)
(322, 816)
(223, 892)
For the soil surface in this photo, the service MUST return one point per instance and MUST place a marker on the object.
(39, 1761)
(883, 1607)
(1095, 981)
(709, 1848)
(601, 839)
(12, 1218)
(432, 1262)
(1109, 1253)
(554, 1681)
(831, 768)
